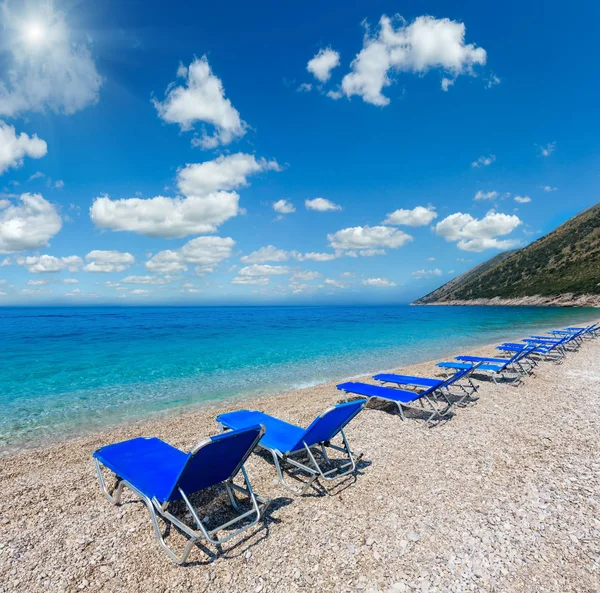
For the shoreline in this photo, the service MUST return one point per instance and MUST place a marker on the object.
(214, 406)
(217, 405)
(559, 301)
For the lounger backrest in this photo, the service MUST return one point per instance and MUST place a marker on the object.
(330, 422)
(454, 378)
(217, 459)
(523, 353)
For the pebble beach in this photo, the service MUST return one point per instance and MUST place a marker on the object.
(504, 496)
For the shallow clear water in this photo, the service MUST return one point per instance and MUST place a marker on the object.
(64, 370)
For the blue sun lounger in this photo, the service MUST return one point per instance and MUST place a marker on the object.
(406, 399)
(299, 447)
(517, 363)
(548, 352)
(591, 331)
(467, 387)
(161, 474)
(508, 369)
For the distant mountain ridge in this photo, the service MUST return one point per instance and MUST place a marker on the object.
(561, 268)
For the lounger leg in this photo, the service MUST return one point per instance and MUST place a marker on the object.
(401, 410)
(115, 496)
(282, 481)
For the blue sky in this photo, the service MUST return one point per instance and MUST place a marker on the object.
(352, 152)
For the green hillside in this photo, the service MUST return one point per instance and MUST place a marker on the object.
(567, 260)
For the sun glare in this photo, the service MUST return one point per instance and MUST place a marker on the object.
(34, 33)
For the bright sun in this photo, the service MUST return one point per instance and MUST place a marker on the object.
(34, 33)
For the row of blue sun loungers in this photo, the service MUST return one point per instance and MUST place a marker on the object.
(162, 475)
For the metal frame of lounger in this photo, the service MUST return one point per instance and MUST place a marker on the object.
(156, 509)
(280, 458)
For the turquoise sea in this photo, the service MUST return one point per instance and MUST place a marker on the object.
(66, 370)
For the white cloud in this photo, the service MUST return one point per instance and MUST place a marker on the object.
(369, 252)
(263, 270)
(297, 288)
(223, 173)
(368, 238)
(203, 252)
(284, 207)
(40, 264)
(548, 149)
(447, 83)
(312, 256)
(305, 275)
(426, 273)
(484, 161)
(475, 234)
(60, 184)
(166, 262)
(378, 282)
(5, 262)
(48, 70)
(321, 205)
(139, 292)
(265, 254)
(347, 275)
(37, 282)
(165, 217)
(417, 47)
(321, 65)
(522, 199)
(202, 210)
(201, 99)
(36, 175)
(74, 292)
(418, 216)
(333, 283)
(29, 225)
(493, 80)
(431, 259)
(13, 148)
(33, 291)
(550, 188)
(489, 195)
(70, 281)
(108, 261)
(251, 280)
(305, 87)
(146, 280)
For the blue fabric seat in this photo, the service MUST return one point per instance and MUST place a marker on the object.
(368, 390)
(279, 434)
(494, 368)
(149, 464)
(407, 380)
(161, 474)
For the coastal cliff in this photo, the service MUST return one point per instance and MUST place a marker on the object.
(561, 269)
